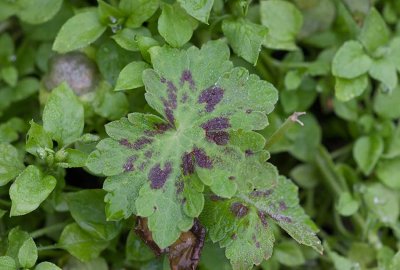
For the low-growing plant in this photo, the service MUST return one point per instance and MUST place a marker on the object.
(185, 134)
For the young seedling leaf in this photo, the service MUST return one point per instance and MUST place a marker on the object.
(243, 224)
(209, 110)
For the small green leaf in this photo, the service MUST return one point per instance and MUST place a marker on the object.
(374, 32)
(47, 266)
(63, 115)
(78, 32)
(350, 61)
(385, 103)
(348, 110)
(131, 76)
(289, 253)
(388, 172)
(10, 75)
(283, 21)
(21, 248)
(81, 244)
(109, 104)
(245, 38)
(305, 175)
(384, 71)
(92, 218)
(347, 206)
(136, 249)
(199, 9)
(37, 140)
(347, 89)
(73, 159)
(394, 52)
(175, 25)
(37, 11)
(10, 163)
(126, 38)
(9, 130)
(28, 254)
(383, 203)
(138, 11)
(29, 190)
(7, 263)
(367, 151)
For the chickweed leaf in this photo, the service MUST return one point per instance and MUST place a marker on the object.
(63, 115)
(199, 9)
(29, 190)
(78, 32)
(38, 11)
(10, 163)
(152, 161)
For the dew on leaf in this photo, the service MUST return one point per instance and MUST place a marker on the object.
(211, 96)
(158, 176)
(239, 210)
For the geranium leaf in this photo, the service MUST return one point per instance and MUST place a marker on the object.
(209, 110)
(243, 224)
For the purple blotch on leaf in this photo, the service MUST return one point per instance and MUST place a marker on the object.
(215, 124)
(158, 176)
(159, 128)
(188, 163)
(211, 96)
(187, 77)
(282, 206)
(263, 218)
(218, 137)
(202, 160)
(239, 210)
(261, 193)
(141, 143)
(282, 218)
(128, 166)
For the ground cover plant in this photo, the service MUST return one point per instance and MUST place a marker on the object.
(188, 134)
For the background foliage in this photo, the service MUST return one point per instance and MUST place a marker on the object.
(96, 96)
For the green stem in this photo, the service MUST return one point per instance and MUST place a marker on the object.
(50, 247)
(335, 181)
(5, 203)
(280, 132)
(49, 229)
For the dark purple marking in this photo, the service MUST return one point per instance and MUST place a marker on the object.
(218, 137)
(188, 163)
(239, 210)
(211, 96)
(159, 176)
(218, 123)
(141, 143)
(234, 236)
(278, 217)
(248, 152)
(171, 87)
(159, 128)
(231, 177)
(261, 193)
(263, 218)
(169, 113)
(187, 77)
(257, 244)
(179, 187)
(202, 160)
(248, 111)
(148, 154)
(282, 206)
(125, 143)
(128, 166)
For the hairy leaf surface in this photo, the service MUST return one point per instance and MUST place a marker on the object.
(158, 166)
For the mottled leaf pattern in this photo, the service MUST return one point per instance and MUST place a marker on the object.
(242, 224)
(158, 167)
